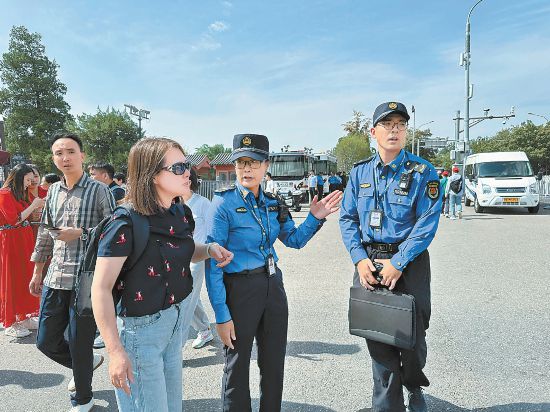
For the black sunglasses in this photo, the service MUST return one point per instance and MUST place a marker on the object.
(178, 168)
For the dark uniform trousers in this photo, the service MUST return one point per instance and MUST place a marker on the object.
(259, 309)
(392, 367)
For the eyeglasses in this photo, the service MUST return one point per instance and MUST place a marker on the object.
(254, 164)
(390, 125)
(178, 168)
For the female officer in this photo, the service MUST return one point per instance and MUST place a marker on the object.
(145, 362)
(248, 296)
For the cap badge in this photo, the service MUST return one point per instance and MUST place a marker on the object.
(247, 141)
(392, 106)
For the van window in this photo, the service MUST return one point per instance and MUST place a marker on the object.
(505, 169)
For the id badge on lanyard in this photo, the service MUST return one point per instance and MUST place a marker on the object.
(270, 265)
(375, 218)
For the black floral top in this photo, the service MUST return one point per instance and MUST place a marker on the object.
(161, 276)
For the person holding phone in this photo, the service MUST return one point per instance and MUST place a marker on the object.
(16, 246)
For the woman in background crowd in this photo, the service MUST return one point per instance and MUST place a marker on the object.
(16, 246)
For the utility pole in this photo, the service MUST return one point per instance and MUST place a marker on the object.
(414, 127)
(465, 61)
(140, 114)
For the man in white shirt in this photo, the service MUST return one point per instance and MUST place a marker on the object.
(269, 184)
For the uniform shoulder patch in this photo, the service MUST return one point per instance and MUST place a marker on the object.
(225, 189)
(432, 189)
(360, 162)
(270, 195)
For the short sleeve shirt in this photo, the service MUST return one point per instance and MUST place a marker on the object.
(161, 277)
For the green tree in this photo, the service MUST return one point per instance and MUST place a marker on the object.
(32, 97)
(212, 151)
(107, 135)
(527, 137)
(355, 145)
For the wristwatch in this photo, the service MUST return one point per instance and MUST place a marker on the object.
(84, 235)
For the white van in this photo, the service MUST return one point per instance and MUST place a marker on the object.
(500, 179)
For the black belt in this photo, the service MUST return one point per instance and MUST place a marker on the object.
(384, 247)
(258, 271)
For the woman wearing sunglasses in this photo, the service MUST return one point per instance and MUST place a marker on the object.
(145, 360)
(248, 295)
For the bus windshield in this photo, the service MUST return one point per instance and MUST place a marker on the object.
(287, 166)
(505, 169)
(325, 167)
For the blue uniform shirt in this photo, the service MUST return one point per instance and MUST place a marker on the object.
(334, 180)
(410, 217)
(233, 225)
(320, 180)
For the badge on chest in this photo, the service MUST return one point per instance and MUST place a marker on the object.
(375, 218)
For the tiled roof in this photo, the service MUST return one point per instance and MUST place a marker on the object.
(196, 158)
(221, 159)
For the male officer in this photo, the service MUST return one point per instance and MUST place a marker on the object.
(389, 215)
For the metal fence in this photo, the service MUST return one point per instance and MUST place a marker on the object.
(207, 188)
(544, 188)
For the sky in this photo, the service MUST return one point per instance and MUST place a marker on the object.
(292, 70)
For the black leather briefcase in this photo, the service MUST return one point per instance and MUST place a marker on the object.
(383, 316)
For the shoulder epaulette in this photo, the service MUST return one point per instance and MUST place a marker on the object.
(360, 162)
(225, 189)
(270, 195)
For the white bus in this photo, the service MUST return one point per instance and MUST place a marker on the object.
(500, 179)
(289, 170)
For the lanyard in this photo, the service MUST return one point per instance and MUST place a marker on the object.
(258, 220)
(378, 198)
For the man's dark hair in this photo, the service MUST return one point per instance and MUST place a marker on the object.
(194, 180)
(64, 135)
(268, 174)
(120, 176)
(104, 167)
(51, 178)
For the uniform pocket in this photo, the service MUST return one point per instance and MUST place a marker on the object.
(365, 199)
(401, 207)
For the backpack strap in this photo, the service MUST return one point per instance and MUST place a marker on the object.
(140, 235)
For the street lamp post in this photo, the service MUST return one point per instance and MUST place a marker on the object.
(139, 113)
(465, 61)
(418, 141)
(414, 127)
(539, 115)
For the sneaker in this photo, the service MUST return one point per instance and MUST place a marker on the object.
(460, 215)
(98, 360)
(203, 337)
(17, 330)
(30, 323)
(83, 408)
(416, 402)
(98, 342)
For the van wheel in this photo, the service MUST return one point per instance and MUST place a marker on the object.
(467, 202)
(477, 207)
(534, 209)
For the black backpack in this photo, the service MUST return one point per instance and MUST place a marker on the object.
(456, 185)
(83, 287)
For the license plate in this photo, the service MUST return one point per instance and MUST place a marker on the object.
(511, 200)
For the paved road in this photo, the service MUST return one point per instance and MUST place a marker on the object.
(488, 341)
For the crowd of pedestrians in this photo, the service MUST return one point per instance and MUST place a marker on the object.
(146, 298)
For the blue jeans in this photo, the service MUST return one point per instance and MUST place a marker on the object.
(56, 313)
(455, 202)
(153, 344)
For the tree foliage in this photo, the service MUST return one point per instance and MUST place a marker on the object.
(527, 137)
(32, 97)
(355, 145)
(107, 136)
(212, 151)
